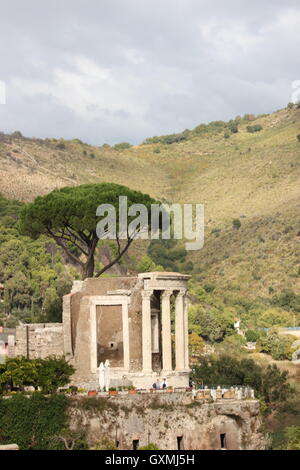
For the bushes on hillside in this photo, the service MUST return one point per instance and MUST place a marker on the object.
(278, 346)
(168, 139)
(233, 128)
(170, 255)
(122, 146)
(211, 323)
(146, 265)
(288, 300)
(236, 223)
(252, 336)
(32, 272)
(254, 128)
(298, 137)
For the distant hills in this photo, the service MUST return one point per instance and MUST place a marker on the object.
(246, 169)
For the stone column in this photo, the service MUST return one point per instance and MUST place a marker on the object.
(186, 333)
(146, 331)
(166, 331)
(179, 331)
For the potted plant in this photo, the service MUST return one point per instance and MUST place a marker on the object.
(131, 390)
(92, 393)
(113, 391)
(73, 390)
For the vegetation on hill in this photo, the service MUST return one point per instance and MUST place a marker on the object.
(249, 185)
(33, 273)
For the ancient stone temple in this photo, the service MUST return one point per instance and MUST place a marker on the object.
(139, 324)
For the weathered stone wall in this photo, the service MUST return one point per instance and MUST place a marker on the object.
(168, 418)
(78, 324)
(44, 339)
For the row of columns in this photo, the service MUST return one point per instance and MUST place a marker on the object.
(181, 331)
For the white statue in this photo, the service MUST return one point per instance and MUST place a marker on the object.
(106, 374)
(101, 376)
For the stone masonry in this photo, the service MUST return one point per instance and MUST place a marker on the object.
(171, 421)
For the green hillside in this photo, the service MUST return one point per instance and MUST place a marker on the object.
(237, 174)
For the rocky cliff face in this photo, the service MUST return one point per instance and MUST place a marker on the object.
(171, 420)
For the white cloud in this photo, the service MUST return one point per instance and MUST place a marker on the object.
(91, 91)
(134, 56)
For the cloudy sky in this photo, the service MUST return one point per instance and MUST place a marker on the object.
(123, 70)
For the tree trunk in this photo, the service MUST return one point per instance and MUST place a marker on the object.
(88, 269)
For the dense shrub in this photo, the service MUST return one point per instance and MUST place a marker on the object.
(33, 422)
(168, 139)
(255, 128)
(49, 374)
(252, 336)
(169, 254)
(236, 223)
(122, 146)
(233, 128)
(17, 135)
(288, 300)
(61, 146)
(269, 383)
(279, 346)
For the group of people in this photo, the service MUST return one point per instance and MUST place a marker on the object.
(158, 385)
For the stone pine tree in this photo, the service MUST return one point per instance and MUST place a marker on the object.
(68, 216)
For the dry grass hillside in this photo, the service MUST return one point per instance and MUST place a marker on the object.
(251, 176)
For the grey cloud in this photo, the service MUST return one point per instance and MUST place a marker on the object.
(125, 70)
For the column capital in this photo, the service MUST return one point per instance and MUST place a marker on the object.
(146, 294)
(181, 293)
(166, 293)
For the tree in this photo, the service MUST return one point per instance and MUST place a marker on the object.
(68, 216)
(146, 265)
(270, 383)
(279, 346)
(196, 346)
(211, 324)
(51, 305)
(19, 372)
(53, 372)
(274, 385)
(168, 253)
